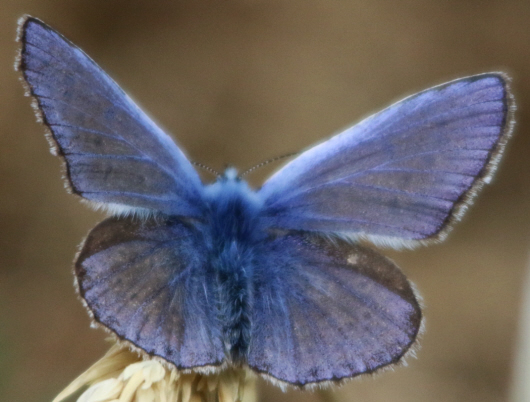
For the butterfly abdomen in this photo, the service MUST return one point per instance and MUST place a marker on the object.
(233, 271)
(233, 210)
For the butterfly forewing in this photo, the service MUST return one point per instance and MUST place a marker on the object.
(114, 153)
(402, 174)
(150, 282)
(325, 311)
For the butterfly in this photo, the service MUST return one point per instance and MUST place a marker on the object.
(277, 279)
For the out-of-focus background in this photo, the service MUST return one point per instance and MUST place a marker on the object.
(239, 81)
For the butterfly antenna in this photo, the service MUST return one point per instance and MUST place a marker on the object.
(259, 165)
(206, 168)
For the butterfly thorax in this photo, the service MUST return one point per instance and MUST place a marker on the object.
(233, 209)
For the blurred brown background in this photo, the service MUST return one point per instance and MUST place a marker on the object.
(239, 81)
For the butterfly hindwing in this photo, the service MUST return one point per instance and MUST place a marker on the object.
(401, 175)
(114, 153)
(325, 311)
(150, 282)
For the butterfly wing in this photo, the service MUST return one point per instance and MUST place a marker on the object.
(324, 311)
(114, 153)
(401, 175)
(150, 283)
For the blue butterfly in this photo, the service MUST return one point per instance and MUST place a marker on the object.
(206, 276)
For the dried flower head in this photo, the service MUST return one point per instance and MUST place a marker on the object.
(122, 376)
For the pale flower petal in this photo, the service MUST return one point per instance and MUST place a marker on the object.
(151, 371)
(132, 385)
(102, 391)
(186, 387)
(146, 395)
(114, 361)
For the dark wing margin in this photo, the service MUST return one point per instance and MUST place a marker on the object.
(403, 176)
(115, 156)
(323, 311)
(149, 282)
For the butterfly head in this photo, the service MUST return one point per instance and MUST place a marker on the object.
(230, 174)
(228, 183)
